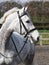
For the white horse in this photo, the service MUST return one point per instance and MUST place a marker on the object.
(20, 22)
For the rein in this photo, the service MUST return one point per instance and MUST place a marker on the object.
(21, 23)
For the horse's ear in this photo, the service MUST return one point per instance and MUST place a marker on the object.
(23, 8)
(21, 11)
(26, 8)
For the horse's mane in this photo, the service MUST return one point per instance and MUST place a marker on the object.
(3, 18)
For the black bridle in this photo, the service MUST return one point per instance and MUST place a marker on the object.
(27, 32)
(21, 23)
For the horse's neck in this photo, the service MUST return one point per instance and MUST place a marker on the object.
(2, 20)
(15, 9)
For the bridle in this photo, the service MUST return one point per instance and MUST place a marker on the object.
(22, 24)
(27, 32)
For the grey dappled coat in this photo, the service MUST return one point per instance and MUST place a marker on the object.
(7, 48)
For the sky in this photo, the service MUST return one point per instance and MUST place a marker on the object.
(14, 0)
(22, 1)
(18, 1)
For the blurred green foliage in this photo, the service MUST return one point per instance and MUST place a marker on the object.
(39, 11)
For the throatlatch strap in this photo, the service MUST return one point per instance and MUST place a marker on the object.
(22, 22)
(20, 28)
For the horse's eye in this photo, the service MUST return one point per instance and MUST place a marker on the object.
(27, 21)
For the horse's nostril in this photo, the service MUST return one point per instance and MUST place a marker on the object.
(38, 39)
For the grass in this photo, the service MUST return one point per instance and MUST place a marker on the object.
(43, 18)
(43, 31)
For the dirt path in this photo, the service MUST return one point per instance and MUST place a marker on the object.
(42, 55)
